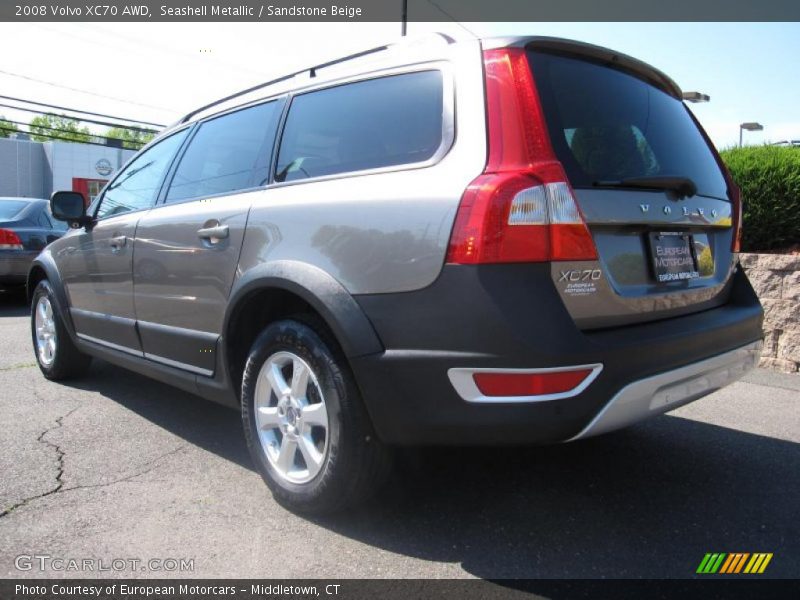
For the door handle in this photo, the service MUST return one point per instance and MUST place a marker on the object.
(217, 232)
(118, 242)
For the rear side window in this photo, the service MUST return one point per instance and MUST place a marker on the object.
(137, 185)
(607, 125)
(42, 219)
(11, 208)
(383, 122)
(228, 153)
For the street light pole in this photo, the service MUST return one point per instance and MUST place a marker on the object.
(749, 126)
(696, 97)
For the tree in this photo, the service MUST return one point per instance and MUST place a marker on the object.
(131, 138)
(5, 126)
(41, 128)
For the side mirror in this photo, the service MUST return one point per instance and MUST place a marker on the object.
(69, 207)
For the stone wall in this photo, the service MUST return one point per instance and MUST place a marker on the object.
(776, 280)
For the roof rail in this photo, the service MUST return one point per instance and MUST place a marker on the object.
(312, 71)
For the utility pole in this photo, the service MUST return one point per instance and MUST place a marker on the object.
(404, 25)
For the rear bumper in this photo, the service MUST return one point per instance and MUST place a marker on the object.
(510, 317)
(14, 266)
(666, 391)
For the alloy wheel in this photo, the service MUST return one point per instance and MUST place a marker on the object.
(291, 417)
(45, 324)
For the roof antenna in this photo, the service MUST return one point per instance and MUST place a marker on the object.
(404, 24)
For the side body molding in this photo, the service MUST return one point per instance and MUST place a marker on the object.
(322, 292)
(325, 294)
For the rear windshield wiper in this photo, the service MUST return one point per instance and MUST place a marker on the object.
(683, 186)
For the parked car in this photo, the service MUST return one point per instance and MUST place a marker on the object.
(26, 227)
(504, 241)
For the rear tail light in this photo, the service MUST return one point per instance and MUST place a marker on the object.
(513, 217)
(521, 209)
(9, 240)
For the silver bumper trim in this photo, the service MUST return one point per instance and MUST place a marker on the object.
(666, 391)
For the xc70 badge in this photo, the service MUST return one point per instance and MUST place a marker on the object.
(580, 275)
(580, 282)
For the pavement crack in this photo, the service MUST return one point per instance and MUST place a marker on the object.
(150, 465)
(59, 461)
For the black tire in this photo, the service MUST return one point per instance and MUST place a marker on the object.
(68, 362)
(356, 462)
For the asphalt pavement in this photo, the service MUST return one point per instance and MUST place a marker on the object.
(116, 466)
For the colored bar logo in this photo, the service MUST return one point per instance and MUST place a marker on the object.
(734, 562)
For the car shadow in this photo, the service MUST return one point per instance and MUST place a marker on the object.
(14, 303)
(646, 502)
(204, 424)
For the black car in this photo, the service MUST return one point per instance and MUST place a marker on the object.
(26, 227)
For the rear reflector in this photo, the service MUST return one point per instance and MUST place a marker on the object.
(530, 384)
(521, 209)
(512, 386)
(9, 240)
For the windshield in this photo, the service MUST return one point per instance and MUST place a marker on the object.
(11, 208)
(606, 125)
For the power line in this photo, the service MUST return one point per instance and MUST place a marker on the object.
(83, 112)
(449, 16)
(55, 137)
(72, 89)
(82, 119)
(91, 135)
(161, 48)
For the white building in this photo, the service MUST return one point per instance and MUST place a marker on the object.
(37, 169)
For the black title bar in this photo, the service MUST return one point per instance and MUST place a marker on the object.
(394, 589)
(392, 10)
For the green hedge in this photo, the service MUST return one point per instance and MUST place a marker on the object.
(769, 177)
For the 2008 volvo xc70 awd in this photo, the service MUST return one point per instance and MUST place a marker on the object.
(501, 241)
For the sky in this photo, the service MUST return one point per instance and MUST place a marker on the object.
(159, 71)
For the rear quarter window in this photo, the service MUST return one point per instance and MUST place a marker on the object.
(11, 208)
(42, 220)
(608, 125)
(383, 122)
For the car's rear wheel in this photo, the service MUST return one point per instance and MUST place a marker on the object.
(306, 427)
(56, 355)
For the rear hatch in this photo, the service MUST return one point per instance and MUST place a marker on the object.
(647, 182)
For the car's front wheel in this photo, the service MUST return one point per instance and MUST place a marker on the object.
(56, 355)
(306, 427)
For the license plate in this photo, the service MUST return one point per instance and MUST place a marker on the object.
(672, 255)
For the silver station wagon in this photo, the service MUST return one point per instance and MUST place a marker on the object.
(497, 241)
